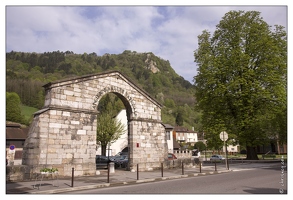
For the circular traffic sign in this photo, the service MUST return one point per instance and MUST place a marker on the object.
(223, 136)
(12, 147)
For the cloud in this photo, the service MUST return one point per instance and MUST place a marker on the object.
(170, 32)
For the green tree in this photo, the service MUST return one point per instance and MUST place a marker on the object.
(109, 130)
(179, 119)
(242, 79)
(200, 146)
(104, 104)
(110, 103)
(13, 109)
(169, 103)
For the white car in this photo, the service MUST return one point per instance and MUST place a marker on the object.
(216, 157)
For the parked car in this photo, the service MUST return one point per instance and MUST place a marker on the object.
(171, 156)
(112, 158)
(102, 161)
(217, 158)
(119, 155)
(121, 162)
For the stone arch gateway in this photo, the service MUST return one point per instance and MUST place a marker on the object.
(63, 132)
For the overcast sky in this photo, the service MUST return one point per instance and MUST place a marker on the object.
(170, 32)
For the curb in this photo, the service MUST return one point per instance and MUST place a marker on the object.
(56, 191)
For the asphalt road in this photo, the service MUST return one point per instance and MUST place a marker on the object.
(263, 180)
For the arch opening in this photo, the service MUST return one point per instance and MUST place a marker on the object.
(119, 108)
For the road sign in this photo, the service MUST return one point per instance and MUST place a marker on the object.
(12, 147)
(223, 136)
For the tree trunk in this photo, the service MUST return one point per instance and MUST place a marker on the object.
(104, 148)
(251, 153)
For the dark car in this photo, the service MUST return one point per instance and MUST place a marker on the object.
(121, 161)
(102, 161)
(112, 158)
(119, 155)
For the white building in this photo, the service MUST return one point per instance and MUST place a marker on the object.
(232, 149)
(182, 134)
(169, 137)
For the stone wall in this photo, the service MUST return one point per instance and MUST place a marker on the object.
(63, 133)
(149, 144)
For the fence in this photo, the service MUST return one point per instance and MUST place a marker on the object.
(182, 154)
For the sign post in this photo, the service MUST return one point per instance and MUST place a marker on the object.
(224, 137)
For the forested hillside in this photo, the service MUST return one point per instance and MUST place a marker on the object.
(26, 73)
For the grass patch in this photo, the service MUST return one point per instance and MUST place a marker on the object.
(28, 112)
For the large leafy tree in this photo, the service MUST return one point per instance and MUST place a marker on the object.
(109, 129)
(242, 80)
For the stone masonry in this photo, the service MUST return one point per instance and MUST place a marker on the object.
(63, 132)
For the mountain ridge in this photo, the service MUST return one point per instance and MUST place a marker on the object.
(28, 72)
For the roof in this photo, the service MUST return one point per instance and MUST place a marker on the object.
(183, 129)
(168, 126)
(14, 131)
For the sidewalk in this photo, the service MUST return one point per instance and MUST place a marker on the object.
(119, 177)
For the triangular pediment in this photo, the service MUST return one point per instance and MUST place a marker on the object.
(116, 74)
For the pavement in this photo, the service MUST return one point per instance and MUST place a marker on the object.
(122, 177)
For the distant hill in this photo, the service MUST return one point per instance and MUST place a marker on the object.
(26, 73)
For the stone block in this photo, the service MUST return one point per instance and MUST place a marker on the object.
(54, 125)
(89, 128)
(44, 131)
(68, 92)
(81, 132)
(76, 90)
(75, 122)
(70, 98)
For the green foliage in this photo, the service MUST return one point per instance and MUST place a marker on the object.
(169, 103)
(109, 129)
(242, 80)
(179, 119)
(49, 170)
(110, 103)
(13, 110)
(200, 146)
